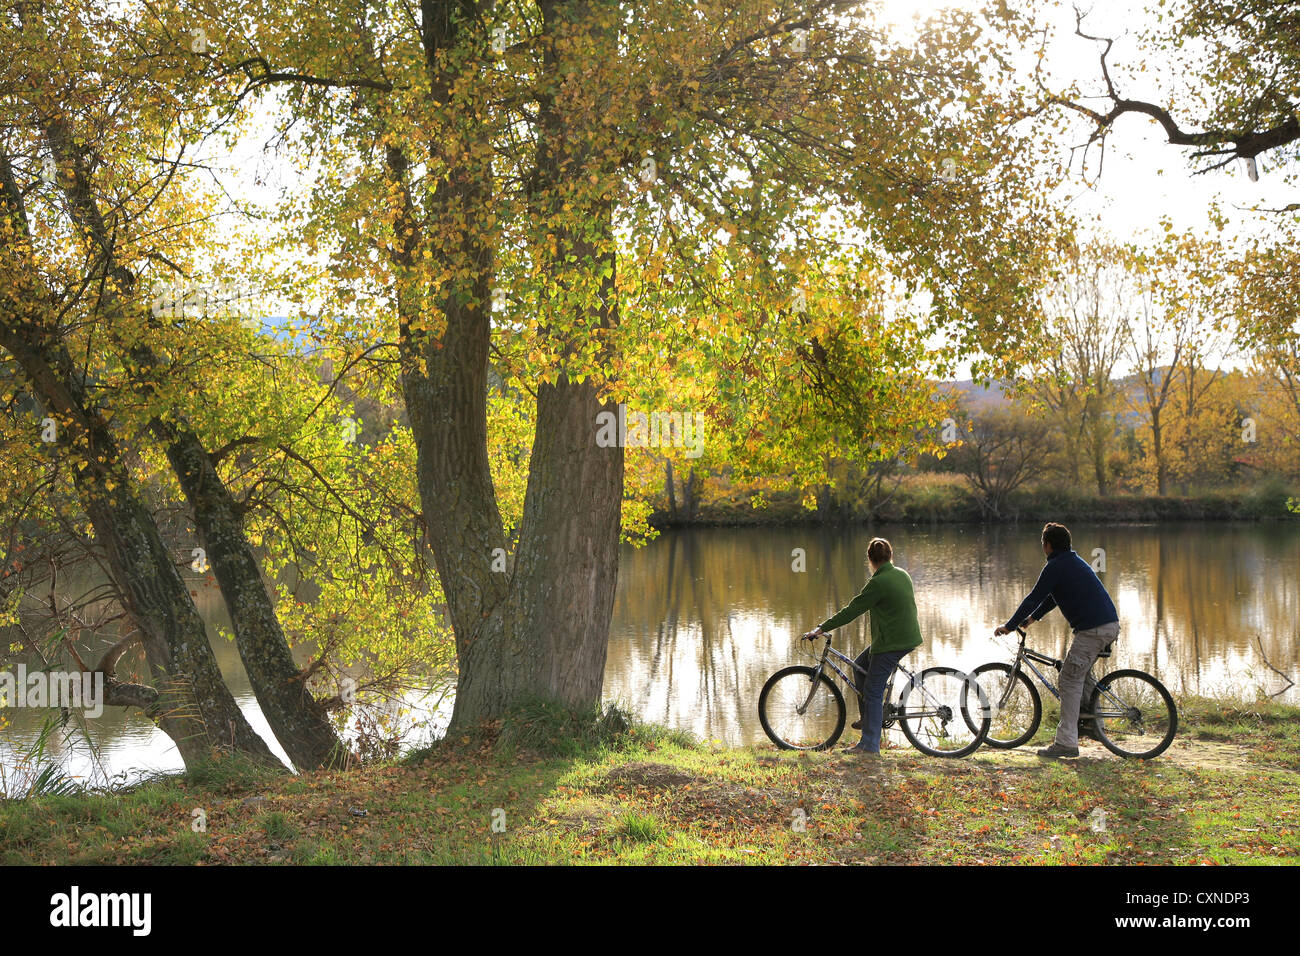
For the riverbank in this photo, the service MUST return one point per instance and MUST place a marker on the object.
(949, 499)
(1227, 792)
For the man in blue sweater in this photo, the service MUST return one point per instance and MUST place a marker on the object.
(1068, 582)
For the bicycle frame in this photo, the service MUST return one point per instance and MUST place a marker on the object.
(1028, 655)
(824, 661)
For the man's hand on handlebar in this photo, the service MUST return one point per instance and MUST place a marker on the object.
(1002, 629)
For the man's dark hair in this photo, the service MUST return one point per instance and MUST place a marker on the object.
(879, 551)
(1057, 535)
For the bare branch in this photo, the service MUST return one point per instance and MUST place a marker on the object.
(1224, 144)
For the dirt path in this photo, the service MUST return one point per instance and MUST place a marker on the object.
(1183, 752)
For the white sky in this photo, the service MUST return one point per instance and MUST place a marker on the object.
(1144, 179)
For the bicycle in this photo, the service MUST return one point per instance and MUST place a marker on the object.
(1131, 712)
(801, 708)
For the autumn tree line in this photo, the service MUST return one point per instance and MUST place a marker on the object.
(1150, 376)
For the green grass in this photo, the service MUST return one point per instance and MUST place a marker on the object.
(640, 828)
(1228, 791)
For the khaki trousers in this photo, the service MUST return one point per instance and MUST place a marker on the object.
(1074, 671)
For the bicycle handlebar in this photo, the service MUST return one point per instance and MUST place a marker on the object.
(810, 636)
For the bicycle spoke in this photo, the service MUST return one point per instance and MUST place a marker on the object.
(1134, 714)
(1014, 707)
(803, 715)
(932, 712)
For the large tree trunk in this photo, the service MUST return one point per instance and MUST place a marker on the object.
(566, 570)
(444, 383)
(540, 631)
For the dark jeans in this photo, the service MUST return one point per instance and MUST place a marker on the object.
(871, 702)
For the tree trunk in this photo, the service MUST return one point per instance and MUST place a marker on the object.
(175, 638)
(195, 707)
(444, 383)
(825, 503)
(1162, 469)
(295, 719)
(542, 630)
(298, 722)
(669, 487)
(1099, 461)
(563, 601)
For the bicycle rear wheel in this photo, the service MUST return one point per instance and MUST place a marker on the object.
(937, 716)
(1135, 716)
(801, 710)
(1017, 709)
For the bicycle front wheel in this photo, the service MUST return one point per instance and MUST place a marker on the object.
(801, 709)
(1135, 716)
(1017, 709)
(943, 712)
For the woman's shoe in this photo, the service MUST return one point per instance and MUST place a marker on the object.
(858, 750)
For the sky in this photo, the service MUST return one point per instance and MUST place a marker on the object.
(1143, 179)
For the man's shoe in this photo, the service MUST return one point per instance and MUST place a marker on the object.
(1056, 751)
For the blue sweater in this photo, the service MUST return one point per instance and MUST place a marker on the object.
(1068, 582)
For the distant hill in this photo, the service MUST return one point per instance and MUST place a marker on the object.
(978, 398)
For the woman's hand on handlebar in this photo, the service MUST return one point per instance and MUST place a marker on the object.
(812, 635)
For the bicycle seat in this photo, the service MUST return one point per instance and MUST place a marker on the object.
(1105, 651)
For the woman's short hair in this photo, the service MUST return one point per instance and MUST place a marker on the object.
(1057, 535)
(879, 551)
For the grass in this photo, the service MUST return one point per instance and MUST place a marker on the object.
(1227, 792)
(640, 828)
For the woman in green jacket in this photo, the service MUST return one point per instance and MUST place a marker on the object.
(895, 631)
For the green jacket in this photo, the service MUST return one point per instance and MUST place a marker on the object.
(888, 596)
